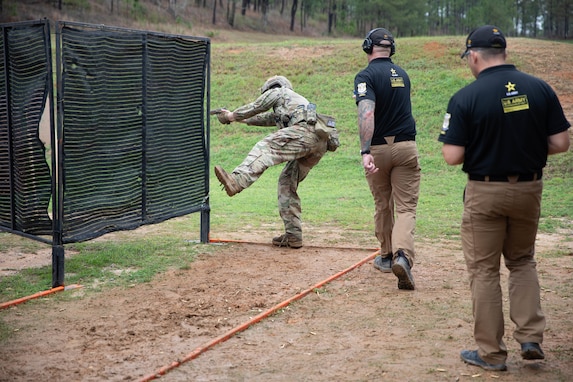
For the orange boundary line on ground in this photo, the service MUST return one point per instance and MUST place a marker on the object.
(8, 304)
(201, 349)
(307, 246)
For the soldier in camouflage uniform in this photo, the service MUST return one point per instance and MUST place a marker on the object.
(297, 141)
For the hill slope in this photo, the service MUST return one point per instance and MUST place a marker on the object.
(156, 15)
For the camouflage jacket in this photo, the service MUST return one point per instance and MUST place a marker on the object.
(279, 106)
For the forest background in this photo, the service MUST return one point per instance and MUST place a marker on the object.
(336, 18)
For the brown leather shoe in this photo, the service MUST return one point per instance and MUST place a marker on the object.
(230, 184)
(383, 263)
(472, 357)
(531, 350)
(287, 240)
(401, 268)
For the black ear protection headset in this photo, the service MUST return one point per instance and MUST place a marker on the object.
(368, 45)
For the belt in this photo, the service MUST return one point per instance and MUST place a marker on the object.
(399, 138)
(507, 178)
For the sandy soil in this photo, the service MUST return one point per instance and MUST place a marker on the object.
(227, 318)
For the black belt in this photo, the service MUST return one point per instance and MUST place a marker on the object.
(507, 178)
(398, 138)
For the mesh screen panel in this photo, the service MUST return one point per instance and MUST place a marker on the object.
(175, 144)
(134, 140)
(25, 179)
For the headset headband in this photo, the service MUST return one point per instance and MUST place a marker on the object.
(368, 44)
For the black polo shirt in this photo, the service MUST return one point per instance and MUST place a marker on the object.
(503, 119)
(388, 86)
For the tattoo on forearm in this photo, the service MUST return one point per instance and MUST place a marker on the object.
(366, 122)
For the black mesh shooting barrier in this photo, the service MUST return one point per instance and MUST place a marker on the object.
(134, 142)
(129, 142)
(25, 179)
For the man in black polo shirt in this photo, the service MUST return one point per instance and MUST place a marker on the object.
(389, 154)
(502, 127)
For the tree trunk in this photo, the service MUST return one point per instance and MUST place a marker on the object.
(231, 13)
(301, 15)
(331, 15)
(293, 14)
(264, 10)
(173, 8)
(214, 21)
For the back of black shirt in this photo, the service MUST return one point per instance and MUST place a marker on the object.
(503, 119)
(388, 85)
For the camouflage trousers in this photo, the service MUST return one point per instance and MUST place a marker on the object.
(302, 149)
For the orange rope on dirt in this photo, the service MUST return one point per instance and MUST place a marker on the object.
(307, 246)
(201, 349)
(36, 295)
(229, 241)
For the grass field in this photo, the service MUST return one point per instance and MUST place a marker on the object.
(335, 195)
(335, 191)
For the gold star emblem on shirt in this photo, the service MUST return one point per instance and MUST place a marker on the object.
(510, 87)
(393, 71)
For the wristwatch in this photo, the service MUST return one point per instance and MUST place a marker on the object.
(364, 152)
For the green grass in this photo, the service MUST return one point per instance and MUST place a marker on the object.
(335, 193)
(118, 263)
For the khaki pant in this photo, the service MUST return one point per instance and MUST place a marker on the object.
(501, 218)
(395, 189)
(302, 149)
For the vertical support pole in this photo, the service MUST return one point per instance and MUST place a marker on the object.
(57, 265)
(205, 208)
(205, 221)
(144, 73)
(57, 135)
(8, 101)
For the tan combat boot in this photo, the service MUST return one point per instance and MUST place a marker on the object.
(230, 184)
(287, 240)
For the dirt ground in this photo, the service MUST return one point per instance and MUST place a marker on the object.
(228, 318)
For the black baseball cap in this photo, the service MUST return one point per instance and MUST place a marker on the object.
(381, 34)
(488, 36)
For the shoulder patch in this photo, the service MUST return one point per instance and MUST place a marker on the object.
(446, 123)
(361, 89)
